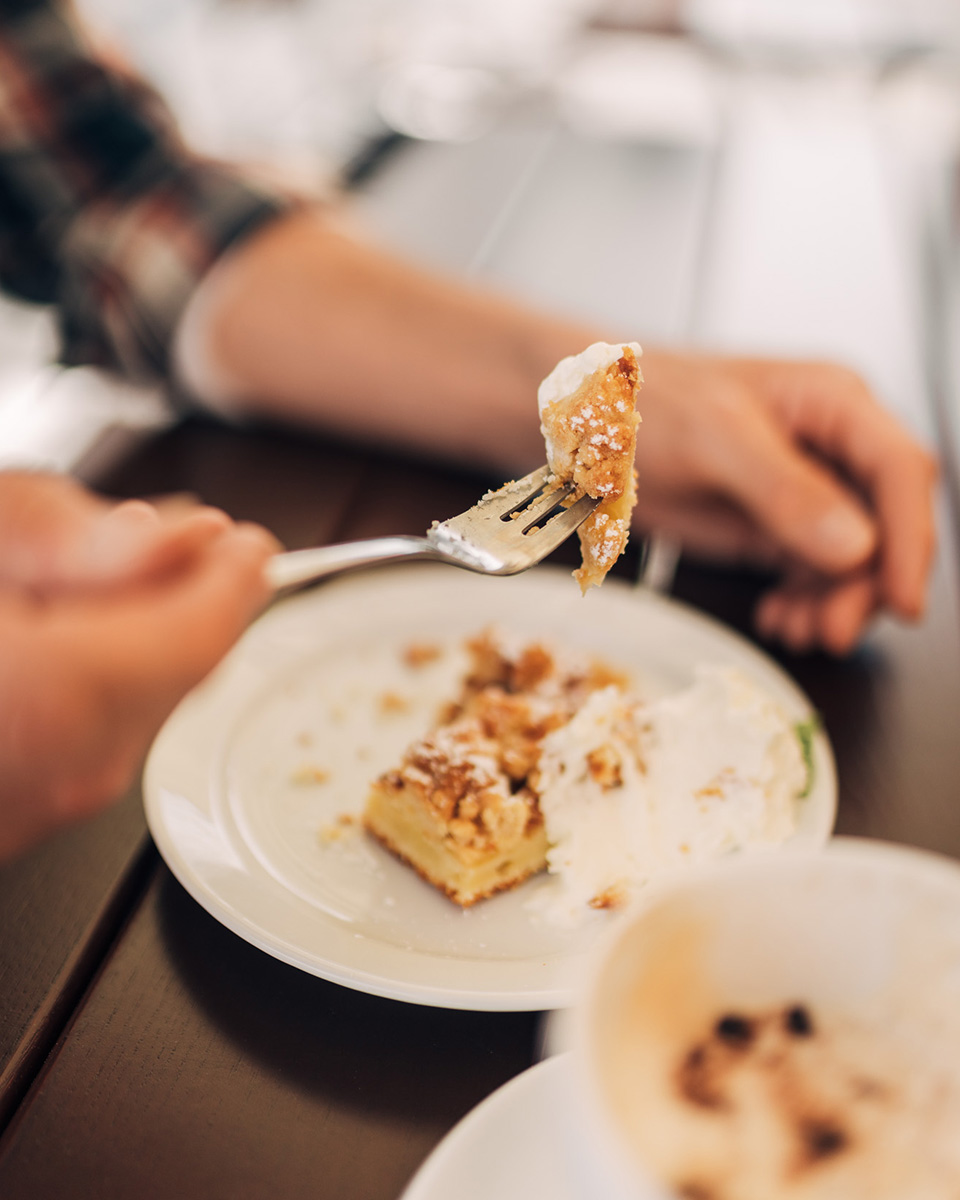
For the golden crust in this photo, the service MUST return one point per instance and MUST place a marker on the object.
(592, 438)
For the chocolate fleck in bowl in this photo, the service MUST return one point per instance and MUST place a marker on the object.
(778, 1027)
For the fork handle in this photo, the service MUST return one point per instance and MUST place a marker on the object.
(298, 567)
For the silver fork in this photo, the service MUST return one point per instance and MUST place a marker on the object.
(507, 531)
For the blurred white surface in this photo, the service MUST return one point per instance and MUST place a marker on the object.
(800, 28)
(641, 88)
(812, 253)
(72, 419)
(62, 419)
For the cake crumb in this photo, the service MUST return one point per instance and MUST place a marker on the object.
(343, 826)
(611, 897)
(605, 767)
(420, 654)
(309, 774)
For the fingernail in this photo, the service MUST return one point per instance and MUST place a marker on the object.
(845, 534)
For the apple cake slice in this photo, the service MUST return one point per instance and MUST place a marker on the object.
(589, 421)
(462, 808)
(449, 811)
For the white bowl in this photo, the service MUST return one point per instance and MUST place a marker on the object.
(843, 968)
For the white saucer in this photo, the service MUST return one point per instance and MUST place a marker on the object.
(518, 1144)
(510, 1147)
(248, 783)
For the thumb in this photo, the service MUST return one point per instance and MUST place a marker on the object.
(790, 494)
(56, 536)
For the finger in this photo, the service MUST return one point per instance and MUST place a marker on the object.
(787, 612)
(834, 410)
(809, 610)
(798, 622)
(56, 535)
(901, 479)
(135, 542)
(769, 614)
(174, 633)
(796, 499)
(845, 612)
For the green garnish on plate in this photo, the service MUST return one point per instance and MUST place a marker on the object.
(806, 731)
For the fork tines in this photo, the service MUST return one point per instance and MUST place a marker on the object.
(530, 503)
(514, 527)
(540, 504)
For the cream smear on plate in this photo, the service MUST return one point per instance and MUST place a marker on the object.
(629, 789)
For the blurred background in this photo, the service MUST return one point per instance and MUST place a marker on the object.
(771, 176)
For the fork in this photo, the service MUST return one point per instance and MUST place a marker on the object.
(504, 533)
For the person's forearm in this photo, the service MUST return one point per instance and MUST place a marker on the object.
(313, 326)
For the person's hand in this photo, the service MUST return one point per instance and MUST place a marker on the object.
(109, 614)
(796, 466)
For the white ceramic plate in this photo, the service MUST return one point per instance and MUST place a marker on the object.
(518, 1144)
(247, 783)
(512, 1146)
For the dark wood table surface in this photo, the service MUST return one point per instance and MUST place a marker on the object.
(147, 1052)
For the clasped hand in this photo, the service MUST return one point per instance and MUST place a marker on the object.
(794, 466)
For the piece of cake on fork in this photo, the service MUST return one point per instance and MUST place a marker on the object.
(589, 421)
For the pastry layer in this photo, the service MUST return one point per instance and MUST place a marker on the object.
(589, 422)
(397, 816)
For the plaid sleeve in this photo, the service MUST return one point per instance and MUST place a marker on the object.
(103, 212)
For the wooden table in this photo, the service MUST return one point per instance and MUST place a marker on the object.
(147, 1052)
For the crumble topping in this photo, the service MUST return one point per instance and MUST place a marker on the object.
(589, 423)
(605, 766)
(458, 774)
